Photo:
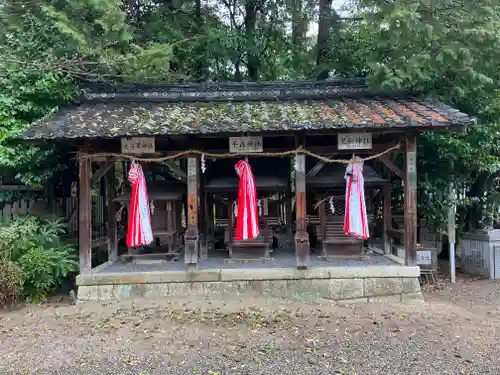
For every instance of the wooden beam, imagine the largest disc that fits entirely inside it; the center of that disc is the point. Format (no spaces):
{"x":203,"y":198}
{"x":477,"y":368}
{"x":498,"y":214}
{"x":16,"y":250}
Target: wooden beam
{"x":387,"y":217}
{"x":101,"y":172}
{"x":111,"y":211}
{"x":85,"y":217}
{"x":386,"y":160}
{"x":316,"y":169}
{"x":410,"y":200}
{"x":177,"y":171}
{"x":192,"y":232}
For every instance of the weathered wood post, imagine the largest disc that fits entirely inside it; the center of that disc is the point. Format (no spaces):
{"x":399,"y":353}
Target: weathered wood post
{"x":268,"y":236}
{"x":85,"y":216}
{"x":301,"y":235}
{"x":387,"y":217}
{"x":111,"y":210}
{"x":322,"y":218}
{"x":230,"y":203}
{"x":192,"y":233}
{"x":410,"y":200}
{"x":204,"y":217}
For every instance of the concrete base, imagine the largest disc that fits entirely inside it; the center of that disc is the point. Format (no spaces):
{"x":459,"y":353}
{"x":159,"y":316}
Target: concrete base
{"x":346,"y":284}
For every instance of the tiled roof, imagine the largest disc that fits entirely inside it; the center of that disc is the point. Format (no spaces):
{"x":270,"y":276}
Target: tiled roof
{"x":194,"y":109}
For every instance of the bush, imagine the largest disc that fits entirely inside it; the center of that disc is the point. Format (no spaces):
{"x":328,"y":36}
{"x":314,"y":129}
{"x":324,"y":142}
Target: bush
{"x":34,"y":245}
{"x":10,"y":282}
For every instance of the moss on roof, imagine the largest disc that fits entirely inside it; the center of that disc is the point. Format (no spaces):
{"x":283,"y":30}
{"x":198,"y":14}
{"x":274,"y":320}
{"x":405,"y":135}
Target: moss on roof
{"x":232,"y":109}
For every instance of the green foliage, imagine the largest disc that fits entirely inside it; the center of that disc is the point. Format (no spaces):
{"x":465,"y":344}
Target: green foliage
{"x":51,"y":49}
{"x":10,"y":282}
{"x":35,"y":246}
{"x":46,"y":50}
{"x":449,"y":50}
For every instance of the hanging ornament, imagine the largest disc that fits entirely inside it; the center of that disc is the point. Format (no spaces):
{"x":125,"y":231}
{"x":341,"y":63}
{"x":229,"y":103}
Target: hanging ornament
{"x":332,"y":207}
{"x":152,"y":207}
{"x":203,"y":166}
{"x":235,"y":209}
{"x":259,"y":204}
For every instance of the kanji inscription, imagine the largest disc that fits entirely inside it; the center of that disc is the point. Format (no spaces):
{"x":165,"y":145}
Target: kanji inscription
{"x":138,"y":145}
{"x":245,"y":144}
{"x":355,"y":141}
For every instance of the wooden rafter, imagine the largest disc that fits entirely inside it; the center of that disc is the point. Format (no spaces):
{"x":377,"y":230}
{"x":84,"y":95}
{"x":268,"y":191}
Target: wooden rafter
{"x":386,"y":160}
{"x":103,"y":169}
{"x":176,"y":171}
{"x":316,"y":169}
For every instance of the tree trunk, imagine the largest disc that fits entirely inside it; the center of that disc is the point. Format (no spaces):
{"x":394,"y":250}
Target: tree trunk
{"x":250,"y":24}
{"x":200,"y":58}
{"x":477,"y":190}
{"x":327,"y":16}
{"x":299,"y":27}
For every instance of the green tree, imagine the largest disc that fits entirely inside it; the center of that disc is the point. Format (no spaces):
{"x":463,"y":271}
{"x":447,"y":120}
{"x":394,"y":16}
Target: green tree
{"x":449,"y":50}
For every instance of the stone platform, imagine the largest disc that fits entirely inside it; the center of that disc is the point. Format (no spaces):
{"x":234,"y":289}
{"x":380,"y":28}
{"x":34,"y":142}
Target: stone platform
{"x":353,"y":283}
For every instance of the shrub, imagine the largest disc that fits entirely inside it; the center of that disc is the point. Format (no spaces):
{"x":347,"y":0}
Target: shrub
{"x":10,"y":282}
{"x":35,"y":246}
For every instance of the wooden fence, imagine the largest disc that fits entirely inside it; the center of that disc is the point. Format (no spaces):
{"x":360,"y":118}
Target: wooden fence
{"x":64,"y":208}
{"x":18,"y":208}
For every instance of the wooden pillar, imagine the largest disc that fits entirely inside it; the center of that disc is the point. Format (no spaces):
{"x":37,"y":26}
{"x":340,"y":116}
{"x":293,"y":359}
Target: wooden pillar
{"x":204,"y":218}
{"x":192,"y":232}
{"x":288,"y":203}
{"x":410,"y":200}
{"x":387,"y":217}
{"x":265,"y":220}
{"x":322,"y":218}
{"x":288,"y":213}
{"x":85,"y":217}
{"x":230,"y":226}
{"x":301,"y":236}
{"x":112,"y":225}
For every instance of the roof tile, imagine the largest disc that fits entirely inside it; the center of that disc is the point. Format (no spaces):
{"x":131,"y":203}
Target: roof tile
{"x":191,"y":112}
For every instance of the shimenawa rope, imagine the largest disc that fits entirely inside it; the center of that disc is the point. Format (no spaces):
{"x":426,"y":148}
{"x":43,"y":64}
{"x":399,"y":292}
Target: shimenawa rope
{"x":299,"y":150}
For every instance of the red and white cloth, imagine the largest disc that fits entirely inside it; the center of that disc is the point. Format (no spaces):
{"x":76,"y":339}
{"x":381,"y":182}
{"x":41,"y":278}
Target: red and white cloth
{"x":355,"y":220}
{"x":247,"y":221}
{"x":139,"y":220}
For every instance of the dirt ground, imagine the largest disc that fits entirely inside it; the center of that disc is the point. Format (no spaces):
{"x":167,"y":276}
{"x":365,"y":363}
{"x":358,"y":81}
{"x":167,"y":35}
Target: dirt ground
{"x":456,"y":331}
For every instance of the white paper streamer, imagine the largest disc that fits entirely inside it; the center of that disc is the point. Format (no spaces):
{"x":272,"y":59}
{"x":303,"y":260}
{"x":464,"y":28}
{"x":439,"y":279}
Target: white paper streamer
{"x":203,"y":165}
{"x":295,"y":163}
{"x":259,"y":203}
{"x":332,"y":207}
{"x":152,"y":207}
{"x":235,"y":209}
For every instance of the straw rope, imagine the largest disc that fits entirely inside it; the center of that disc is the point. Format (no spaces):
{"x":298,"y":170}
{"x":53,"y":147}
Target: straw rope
{"x":299,"y":150}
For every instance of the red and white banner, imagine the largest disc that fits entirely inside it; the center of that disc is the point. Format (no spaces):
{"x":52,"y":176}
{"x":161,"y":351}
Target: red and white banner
{"x":139,"y":220}
{"x":247,"y":221}
{"x":355,"y":220}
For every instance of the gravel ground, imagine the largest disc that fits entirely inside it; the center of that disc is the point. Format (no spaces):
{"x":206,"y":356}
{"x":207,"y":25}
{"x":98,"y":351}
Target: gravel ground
{"x":454,"y":332}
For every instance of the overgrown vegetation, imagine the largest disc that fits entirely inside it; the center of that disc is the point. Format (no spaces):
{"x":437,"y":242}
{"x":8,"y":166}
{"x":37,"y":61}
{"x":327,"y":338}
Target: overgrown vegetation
{"x":50,"y":50}
{"x":10,"y":282}
{"x":33,"y":259}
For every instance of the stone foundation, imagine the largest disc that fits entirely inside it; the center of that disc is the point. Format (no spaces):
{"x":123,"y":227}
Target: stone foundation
{"x":349,"y":284}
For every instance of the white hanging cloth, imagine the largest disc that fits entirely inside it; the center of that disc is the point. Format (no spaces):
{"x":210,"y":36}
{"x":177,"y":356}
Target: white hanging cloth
{"x":355,"y":220}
